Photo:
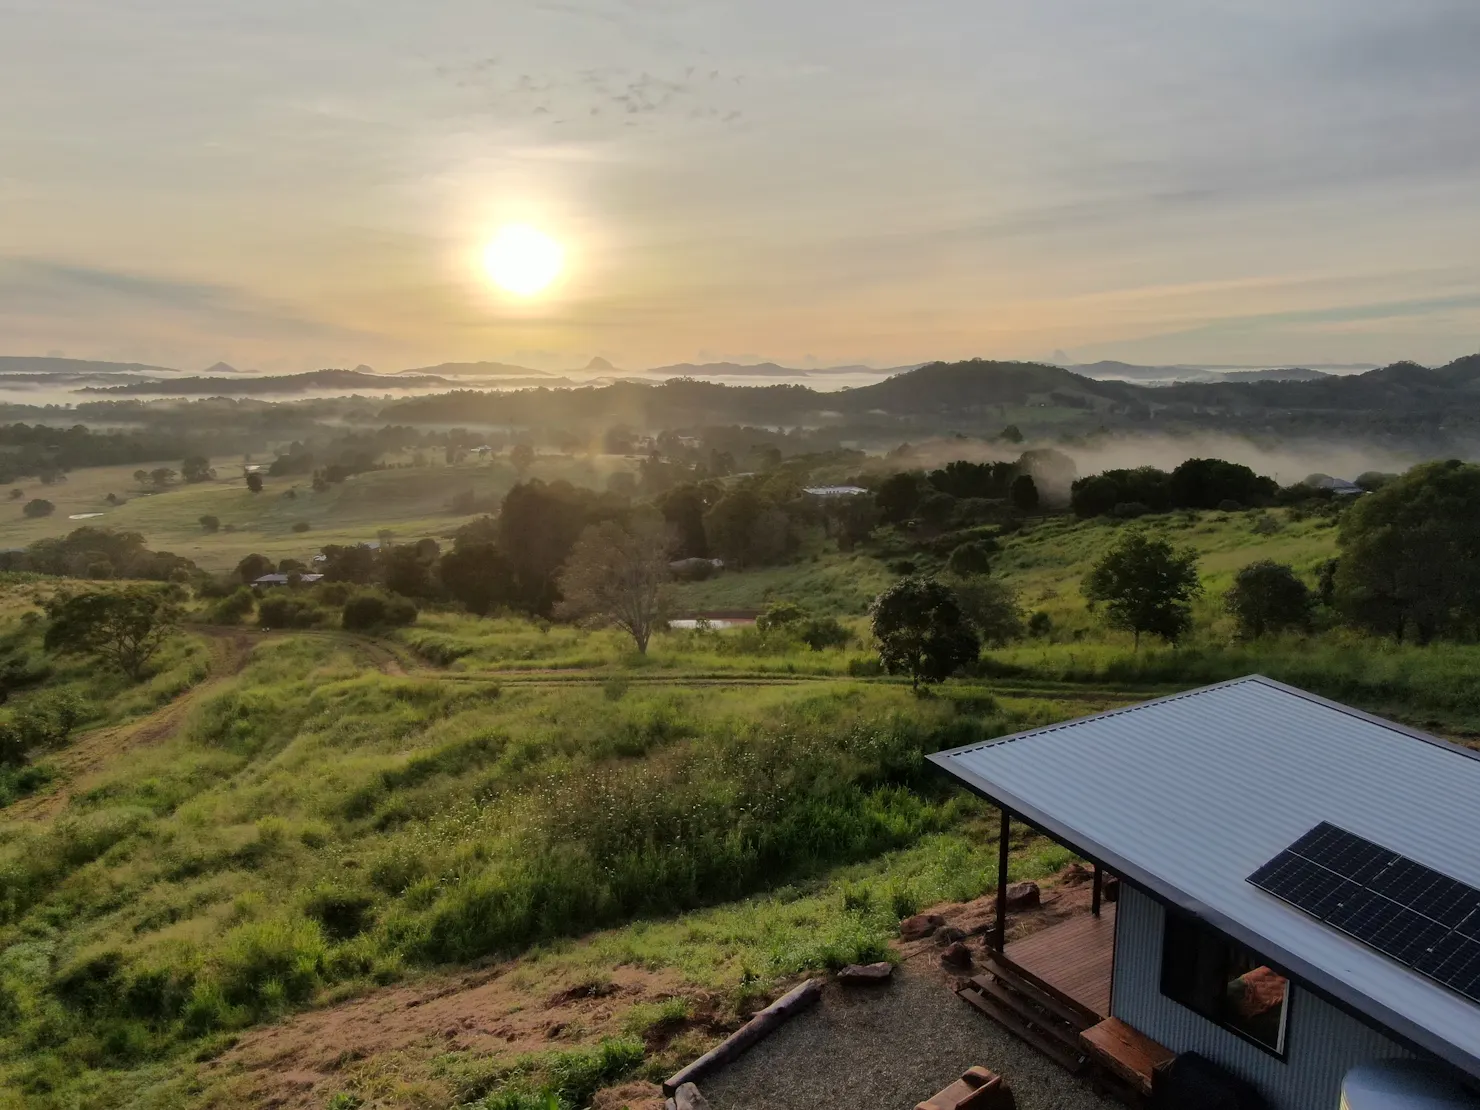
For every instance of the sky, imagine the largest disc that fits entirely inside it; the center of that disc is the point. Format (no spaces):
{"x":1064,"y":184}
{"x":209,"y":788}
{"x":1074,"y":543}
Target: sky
{"x":290,"y":184}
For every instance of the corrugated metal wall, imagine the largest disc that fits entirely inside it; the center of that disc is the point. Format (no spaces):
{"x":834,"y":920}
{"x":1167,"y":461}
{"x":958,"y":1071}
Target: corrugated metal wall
{"x":1322,"y":1042}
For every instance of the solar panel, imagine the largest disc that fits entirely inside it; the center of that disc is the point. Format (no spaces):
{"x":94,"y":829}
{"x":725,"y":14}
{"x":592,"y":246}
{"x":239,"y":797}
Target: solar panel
{"x":1410,"y":913}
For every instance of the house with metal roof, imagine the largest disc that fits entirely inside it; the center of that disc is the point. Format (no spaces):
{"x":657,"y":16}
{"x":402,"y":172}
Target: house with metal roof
{"x":1297,"y":898}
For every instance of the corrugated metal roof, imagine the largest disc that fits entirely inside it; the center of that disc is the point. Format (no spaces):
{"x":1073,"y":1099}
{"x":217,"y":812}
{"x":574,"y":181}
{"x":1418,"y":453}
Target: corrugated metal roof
{"x":1188,"y":795}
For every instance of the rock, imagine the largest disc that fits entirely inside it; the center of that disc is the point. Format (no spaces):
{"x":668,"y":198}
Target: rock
{"x":920,"y":926}
{"x":864,"y":974}
{"x":1110,"y":889}
{"x":949,"y":934}
{"x":1076,"y":874}
{"x":688,"y":1097}
{"x":1023,"y":896}
{"x":957,"y":956}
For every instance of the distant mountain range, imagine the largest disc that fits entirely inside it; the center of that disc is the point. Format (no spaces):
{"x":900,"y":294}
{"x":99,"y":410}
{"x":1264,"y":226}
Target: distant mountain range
{"x":1155,"y":375}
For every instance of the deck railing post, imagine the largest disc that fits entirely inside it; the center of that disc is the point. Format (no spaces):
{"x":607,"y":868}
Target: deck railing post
{"x":1094,"y":905}
{"x":1000,"y":935}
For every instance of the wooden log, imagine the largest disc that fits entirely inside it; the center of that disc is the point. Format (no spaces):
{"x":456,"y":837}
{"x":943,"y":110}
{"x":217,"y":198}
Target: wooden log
{"x":762,"y":1025}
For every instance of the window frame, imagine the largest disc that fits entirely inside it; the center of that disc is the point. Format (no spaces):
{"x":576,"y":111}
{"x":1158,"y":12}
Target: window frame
{"x":1173,"y":919}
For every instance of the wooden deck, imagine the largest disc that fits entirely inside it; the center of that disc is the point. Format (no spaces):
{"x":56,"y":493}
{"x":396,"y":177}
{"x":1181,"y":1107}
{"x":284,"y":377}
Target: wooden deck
{"x":1074,"y":957}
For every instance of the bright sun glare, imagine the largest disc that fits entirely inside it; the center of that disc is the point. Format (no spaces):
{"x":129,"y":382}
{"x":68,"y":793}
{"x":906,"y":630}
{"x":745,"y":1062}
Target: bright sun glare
{"x":523,"y":260}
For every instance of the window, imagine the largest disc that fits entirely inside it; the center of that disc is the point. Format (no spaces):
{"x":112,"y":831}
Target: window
{"x":1224,"y":982}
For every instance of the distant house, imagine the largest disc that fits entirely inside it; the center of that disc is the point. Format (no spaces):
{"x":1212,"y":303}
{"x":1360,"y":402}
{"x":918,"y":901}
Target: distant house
{"x":1340,"y":486}
{"x":834,"y":491}
{"x":1297,"y":900}
{"x":286,"y":579}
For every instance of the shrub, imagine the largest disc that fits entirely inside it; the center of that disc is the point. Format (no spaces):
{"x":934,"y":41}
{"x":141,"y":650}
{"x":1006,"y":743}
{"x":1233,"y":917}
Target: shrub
{"x":821,"y":633}
{"x":1040,"y":624}
{"x":285,"y":609}
{"x":300,"y":526}
{"x":374,"y":610}
{"x":341,"y":913}
{"x":210,"y":523}
{"x":39,"y":507}
{"x":233,"y":607}
{"x":971,"y":559}
{"x":781,"y":615}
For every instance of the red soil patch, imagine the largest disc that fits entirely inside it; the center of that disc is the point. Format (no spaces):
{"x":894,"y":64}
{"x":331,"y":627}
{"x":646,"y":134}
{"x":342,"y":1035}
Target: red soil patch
{"x":302,"y":1062}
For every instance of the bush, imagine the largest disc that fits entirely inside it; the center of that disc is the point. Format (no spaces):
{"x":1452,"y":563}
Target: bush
{"x":233,"y":607}
{"x":300,"y":526}
{"x":971,"y":559}
{"x":1040,"y":624}
{"x":284,"y":609}
{"x":375,"y":610}
{"x":821,"y":633}
{"x":39,"y":507}
{"x":210,"y":523}
{"x":781,"y":615}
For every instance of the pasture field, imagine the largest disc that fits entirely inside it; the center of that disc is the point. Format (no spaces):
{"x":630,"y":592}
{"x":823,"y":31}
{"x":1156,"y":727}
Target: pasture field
{"x":411,"y":502}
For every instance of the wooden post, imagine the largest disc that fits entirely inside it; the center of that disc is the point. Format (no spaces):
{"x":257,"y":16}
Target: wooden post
{"x":1000,"y":936}
{"x":1094,"y":905}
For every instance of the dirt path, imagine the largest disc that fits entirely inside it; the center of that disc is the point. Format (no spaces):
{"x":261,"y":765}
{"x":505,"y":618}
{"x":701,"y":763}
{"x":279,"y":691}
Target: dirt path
{"x":82,"y":759}
{"x":300,"y":1063}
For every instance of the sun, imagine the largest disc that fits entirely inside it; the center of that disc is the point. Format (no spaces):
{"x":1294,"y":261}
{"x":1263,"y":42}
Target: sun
{"x":523,"y":260}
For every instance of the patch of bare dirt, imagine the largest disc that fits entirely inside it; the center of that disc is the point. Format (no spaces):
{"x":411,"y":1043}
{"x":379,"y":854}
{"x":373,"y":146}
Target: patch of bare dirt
{"x":303,"y":1061}
{"x":629,"y":1096}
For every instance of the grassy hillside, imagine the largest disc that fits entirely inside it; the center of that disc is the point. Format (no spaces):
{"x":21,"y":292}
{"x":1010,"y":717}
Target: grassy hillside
{"x":316,"y":821}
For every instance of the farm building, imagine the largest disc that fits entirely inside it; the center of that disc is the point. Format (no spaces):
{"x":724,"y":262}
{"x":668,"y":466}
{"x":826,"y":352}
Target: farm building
{"x":1296,"y":901}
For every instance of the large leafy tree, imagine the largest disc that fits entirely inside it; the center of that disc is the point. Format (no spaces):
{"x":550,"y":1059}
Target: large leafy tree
{"x":1146,"y":586}
{"x":478,"y":575}
{"x":1410,"y":555}
{"x":536,"y":529}
{"x":922,"y":631}
{"x":617,"y":573}
{"x":124,"y":628}
{"x":1268,"y":597}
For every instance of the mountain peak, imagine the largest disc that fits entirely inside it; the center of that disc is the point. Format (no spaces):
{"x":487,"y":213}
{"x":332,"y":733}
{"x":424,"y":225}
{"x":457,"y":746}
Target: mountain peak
{"x":221,"y":368}
{"x":600,"y":365}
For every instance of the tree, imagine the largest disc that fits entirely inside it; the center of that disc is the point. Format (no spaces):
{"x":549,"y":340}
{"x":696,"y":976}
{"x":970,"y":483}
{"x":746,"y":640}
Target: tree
{"x":408,"y":570}
{"x":922,"y":631}
{"x":197,"y":468}
{"x":141,"y":478}
{"x":124,"y":628}
{"x":521,"y":455}
{"x":17,"y":494}
{"x":1146,"y":586}
{"x":971,"y":558}
{"x":478,"y":576}
{"x":1267,"y":597}
{"x":537,"y":526}
{"x":992,"y":607}
{"x":1410,"y":555}
{"x":38,"y":507}
{"x":162,"y":476}
{"x":1010,"y":434}
{"x":254,"y":481}
{"x":253,"y":567}
{"x":821,"y":633}
{"x":684,"y":508}
{"x":1024,"y":493}
{"x":349,"y":563}
{"x":897,"y":497}
{"x":210,"y":523}
{"x":616,"y":576}
{"x":747,"y":529}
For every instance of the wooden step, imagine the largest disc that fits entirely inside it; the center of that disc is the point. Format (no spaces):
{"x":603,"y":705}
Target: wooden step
{"x":1024,"y":1007}
{"x":1025,"y":982}
{"x":1071,"y":1061}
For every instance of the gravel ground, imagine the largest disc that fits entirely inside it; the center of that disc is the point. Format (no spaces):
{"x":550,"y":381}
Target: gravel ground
{"x":887,"y":1048}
